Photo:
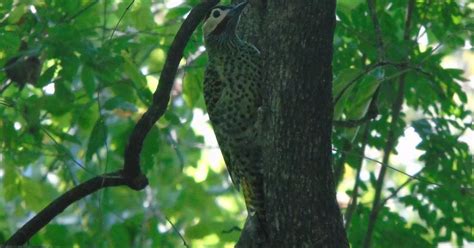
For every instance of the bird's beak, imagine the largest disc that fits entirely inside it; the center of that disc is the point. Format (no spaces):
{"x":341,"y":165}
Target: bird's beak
{"x":237,"y":9}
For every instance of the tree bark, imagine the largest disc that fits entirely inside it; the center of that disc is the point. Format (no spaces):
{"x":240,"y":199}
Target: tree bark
{"x":295,"y":38}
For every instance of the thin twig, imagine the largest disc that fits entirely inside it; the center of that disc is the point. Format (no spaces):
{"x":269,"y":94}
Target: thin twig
{"x":106,"y":145}
{"x":376,"y":65}
{"x":378,"y":30}
{"x":121,"y":17}
{"x":174,"y":145}
{"x":407,"y":66}
{"x":81,"y":11}
{"x":371,"y":114}
{"x":386,"y":165}
{"x":341,"y":161}
{"x":104,"y":24}
{"x":232,"y":229}
{"x":396,"y":191}
{"x":177,"y":231}
{"x":69,"y":155}
{"x":418,"y":178}
{"x":355,"y":190}
{"x":49,"y":169}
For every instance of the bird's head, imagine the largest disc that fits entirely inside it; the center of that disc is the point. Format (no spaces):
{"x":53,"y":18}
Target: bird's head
{"x":221,"y":22}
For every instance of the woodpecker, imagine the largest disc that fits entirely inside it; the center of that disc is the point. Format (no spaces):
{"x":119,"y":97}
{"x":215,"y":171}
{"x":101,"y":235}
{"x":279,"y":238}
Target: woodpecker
{"x":233,"y":98}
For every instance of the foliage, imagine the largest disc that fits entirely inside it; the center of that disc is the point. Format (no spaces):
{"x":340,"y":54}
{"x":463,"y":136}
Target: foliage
{"x":73,"y":122}
{"x":436,"y":205}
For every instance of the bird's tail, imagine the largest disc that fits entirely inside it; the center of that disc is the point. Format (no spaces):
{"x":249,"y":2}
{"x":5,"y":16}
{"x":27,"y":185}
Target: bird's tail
{"x":254,"y":199}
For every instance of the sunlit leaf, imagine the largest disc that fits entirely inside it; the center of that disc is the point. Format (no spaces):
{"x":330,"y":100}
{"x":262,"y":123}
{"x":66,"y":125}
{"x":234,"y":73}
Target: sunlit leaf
{"x":192,"y":87}
{"x":96,"y":138}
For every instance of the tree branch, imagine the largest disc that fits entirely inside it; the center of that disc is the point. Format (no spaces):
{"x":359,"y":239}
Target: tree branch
{"x":162,"y":94}
{"x":378,"y":30}
{"x":61,"y":203}
{"x":120,"y":19}
{"x":131,"y":175}
{"x":403,"y":66}
{"x":355,"y":190}
{"x":391,"y":137}
{"x":394,"y":193}
{"x":176,"y":230}
{"x":414,"y":177}
{"x":339,"y":168}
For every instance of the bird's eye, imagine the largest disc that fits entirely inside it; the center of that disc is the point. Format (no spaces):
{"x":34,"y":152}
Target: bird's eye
{"x":216,"y":13}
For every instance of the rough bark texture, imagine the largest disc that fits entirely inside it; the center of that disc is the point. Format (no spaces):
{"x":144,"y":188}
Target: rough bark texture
{"x":295,"y":38}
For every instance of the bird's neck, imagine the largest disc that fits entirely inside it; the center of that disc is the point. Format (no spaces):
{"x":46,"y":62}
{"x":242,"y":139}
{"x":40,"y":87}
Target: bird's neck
{"x":222,"y":43}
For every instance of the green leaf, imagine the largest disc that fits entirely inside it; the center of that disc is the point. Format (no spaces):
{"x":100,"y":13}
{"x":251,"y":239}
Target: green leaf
{"x":172,"y":118}
{"x":119,"y":103}
{"x":57,"y":235}
{"x":54,"y":105}
{"x":350,"y":133}
{"x":373,"y":179}
{"x":9,"y":44}
{"x":344,"y":80}
{"x":97,"y":138}
{"x":70,"y":138}
{"x":361,"y":97}
{"x":156,"y":60}
{"x":120,"y":236}
{"x":177,"y":12}
{"x":88,"y":80}
{"x":132,"y":71}
{"x":59,"y":103}
{"x":192,"y":87}
{"x":151,"y":147}
{"x":10,"y":183}
{"x":36,"y":195}
{"x":203,"y":229}
{"x":139,"y":81}
{"x":17,"y":13}
{"x":47,"y":76}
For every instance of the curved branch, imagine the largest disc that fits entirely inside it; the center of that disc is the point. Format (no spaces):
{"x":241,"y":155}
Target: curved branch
{"x":61,"y":203}
{"x":131,"y":175}
{"x":162,"y":94}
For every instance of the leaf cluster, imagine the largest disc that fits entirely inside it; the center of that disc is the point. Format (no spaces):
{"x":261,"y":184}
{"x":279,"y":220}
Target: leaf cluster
{"x":73,"y":122}
{"x":435,"y":205}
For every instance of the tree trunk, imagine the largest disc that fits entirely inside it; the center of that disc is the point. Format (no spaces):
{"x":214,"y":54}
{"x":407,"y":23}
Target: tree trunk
{"x":295,"y":38}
